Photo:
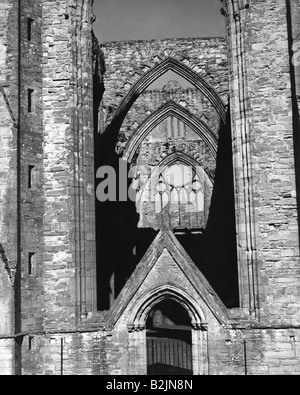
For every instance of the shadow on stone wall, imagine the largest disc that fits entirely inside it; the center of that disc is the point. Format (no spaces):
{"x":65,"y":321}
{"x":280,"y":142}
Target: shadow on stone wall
{"x":121,"y":244}
{"x":116,"y":224}
{"x":295,"y":88}
{"x":219,"y":263}
{"x":215,"y":251}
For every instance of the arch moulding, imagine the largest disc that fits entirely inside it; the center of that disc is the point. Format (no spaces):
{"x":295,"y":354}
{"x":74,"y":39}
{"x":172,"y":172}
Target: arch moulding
{"x":185,"y":159}
{"x":168,"y":64}
{"x":170,"y":109}
{"x":137,"y":329}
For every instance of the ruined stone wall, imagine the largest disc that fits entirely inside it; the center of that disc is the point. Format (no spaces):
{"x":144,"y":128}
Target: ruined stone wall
{"x":66,"y":267}
{"x":126,"y":62}
{"x":31,"y":168}
{"x":48,"y":311}
{"x":266,"y":352}
{"x":295,"y":30}
{"x":262,"y":123}
{"x":68,"y":231}
{"x":263,"y":130}
{"x":234,"y":347}
{"x":47,"y":173}
{"x":8,"y":178}
{"x":273,"y":161}
{"x":266,"y":207}
{"x":152,"y":100}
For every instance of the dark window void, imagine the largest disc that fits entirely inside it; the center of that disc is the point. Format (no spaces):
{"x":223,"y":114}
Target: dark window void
{"x":30,"y":93}
{"x":29,"y":28}
{"x":30,"y":343}
{"x":215,"y":250}
{"x":121,"y":243}
{"x":31,"y":264}
{"x":169,"y":340}
{"x":120,"y":246}
{"x":31,"y":177}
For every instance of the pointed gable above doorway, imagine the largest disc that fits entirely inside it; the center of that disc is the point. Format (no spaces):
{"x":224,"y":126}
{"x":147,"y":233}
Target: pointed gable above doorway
{"x":166,"y":271}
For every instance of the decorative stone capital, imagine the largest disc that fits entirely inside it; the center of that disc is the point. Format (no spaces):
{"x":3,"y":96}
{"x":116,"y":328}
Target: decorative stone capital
{"x":135,"y":328}
{"x":203,"y":326}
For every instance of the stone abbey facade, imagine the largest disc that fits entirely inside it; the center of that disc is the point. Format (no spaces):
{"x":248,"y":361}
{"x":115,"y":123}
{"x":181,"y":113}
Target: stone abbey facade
{"x":195,"y":268}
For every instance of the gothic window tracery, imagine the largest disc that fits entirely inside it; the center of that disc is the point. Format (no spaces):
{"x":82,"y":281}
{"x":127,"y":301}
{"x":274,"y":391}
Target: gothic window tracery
{"x":178,"y":195}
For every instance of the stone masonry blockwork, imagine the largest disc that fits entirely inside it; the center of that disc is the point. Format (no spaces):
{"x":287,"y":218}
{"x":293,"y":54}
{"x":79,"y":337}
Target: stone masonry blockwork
{"x":57,"y":122}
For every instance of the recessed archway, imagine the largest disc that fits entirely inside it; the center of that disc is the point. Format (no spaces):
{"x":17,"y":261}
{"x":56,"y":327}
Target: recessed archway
{"x":192,"y":214}
{"x":153,"y":74}
{"x":131,"y":133}
{"x":192,"y":315}
{"x":169,"y":340}
{"x":184,"y":158}
{"x":171,"y":109}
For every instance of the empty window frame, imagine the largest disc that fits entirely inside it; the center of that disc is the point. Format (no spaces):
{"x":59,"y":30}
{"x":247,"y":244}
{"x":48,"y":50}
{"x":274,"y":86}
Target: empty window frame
{"x":29,"y":28}
{"x":30,"y":343}
{"x":31,"y":177}
{"x":31,"y":264}
{"x":30,"y":93}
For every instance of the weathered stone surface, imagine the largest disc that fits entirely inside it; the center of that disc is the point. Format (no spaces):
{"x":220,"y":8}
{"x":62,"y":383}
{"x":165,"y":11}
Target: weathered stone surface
{"x":49,"y":324}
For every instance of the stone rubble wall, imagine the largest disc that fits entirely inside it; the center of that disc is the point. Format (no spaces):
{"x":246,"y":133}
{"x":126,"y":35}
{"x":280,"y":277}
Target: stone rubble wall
{"x":273,"y":161}
{"x":54,"y":216}
{"x":126,"y":62}
{"x":57,"y":215}
{"x":8,"y":178}
{"x":295,"y":15}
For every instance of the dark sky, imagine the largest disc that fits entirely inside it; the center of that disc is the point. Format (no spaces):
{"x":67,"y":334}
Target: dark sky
{"x":119,"y":20}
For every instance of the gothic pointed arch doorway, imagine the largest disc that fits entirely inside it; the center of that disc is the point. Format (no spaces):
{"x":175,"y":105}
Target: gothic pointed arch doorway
{"x":169,"y":340}
{"x":165,"y":325}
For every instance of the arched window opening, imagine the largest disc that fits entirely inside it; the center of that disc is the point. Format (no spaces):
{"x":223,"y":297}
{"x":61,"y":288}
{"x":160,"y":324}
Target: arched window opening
{"x":180,"y":124}
{"x":173,"y":176}
{"x":169,"y":340}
